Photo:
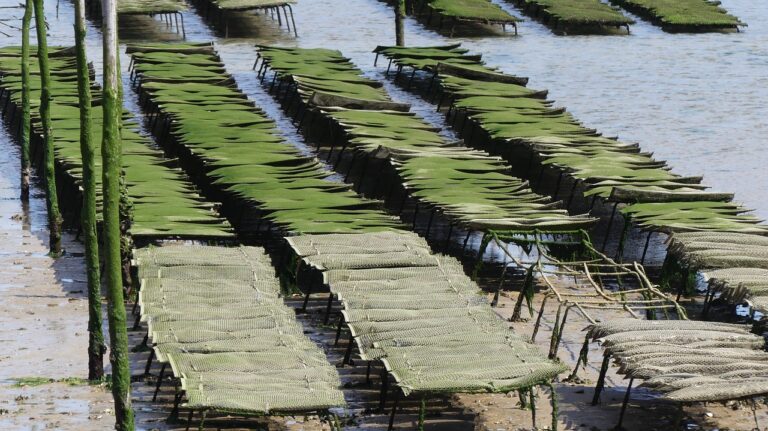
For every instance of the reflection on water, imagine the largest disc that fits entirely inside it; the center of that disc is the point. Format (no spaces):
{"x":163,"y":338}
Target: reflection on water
{"x":14,"y":213}
{"x":695,"y":100}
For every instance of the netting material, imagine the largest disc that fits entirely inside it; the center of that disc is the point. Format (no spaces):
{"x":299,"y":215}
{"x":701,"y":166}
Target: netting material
{"x":736,"y":265}
{"x":239,"y":147}
{"x":469,"y":187}
{"x":688,"y":360}
{"x":164,"y":204}
{"x":433,"y":329}
{"x":216,"y":315}
{"x":513,"y":116}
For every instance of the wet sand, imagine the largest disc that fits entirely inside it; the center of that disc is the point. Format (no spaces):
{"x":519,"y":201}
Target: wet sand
{"x":645,"y":412}
{"x":43,"y":324}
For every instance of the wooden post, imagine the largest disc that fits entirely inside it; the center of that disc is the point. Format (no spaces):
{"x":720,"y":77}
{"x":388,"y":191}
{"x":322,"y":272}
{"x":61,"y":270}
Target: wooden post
{"x":111,"y":165}
{"x":52,"y":201}
{"x":399,"y":24}
{"x":96,"y":347}
{"x":25,"y":108}
{"x":555,"y":408}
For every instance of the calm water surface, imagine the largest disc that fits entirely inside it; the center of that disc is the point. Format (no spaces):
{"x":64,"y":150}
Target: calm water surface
{"x":698,"y":101}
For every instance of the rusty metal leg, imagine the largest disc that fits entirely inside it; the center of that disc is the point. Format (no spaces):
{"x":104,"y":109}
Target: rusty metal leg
{"x":538,"y":318}
{"x":560,"y":333}
{"x":368,"y":374}
{"x":610,"y":224}
{"x":394,"y":410}
{"x":384,"y":389}
{"x":624,"y":404}
{"x":601,"y":379}
{"x":306,"y":299}
{"x":159,"y":382}
{"x":338,"y":330}
{"x":495,"y":300}
{"x":189,"y":418}
{"x":149,"y":361}
{"x":645,"y":249}
{"x":348,"y":353}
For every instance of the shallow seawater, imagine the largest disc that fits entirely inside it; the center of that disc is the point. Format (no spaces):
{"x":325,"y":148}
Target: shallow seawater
{"x":696,"y":100}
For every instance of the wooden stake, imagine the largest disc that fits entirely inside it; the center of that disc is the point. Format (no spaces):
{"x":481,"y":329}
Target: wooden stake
{"x":96,"y":346}
{"x":111,"y":163}
{"x":25,"y":104}
{"x":52,"y":201}
{"x":399,"y":24}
